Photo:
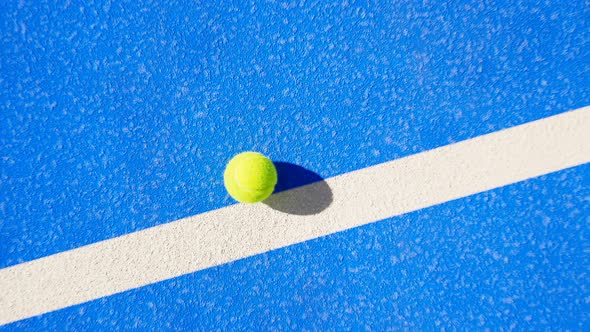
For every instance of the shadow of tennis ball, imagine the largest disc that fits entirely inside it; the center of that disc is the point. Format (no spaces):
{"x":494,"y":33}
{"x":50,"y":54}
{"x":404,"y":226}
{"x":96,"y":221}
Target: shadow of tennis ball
{"x":299,"y":191}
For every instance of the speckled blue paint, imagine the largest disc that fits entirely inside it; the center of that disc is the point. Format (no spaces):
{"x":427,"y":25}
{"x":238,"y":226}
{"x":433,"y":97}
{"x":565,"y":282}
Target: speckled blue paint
{"x":515,"y":257}
{"x":120,"y":116}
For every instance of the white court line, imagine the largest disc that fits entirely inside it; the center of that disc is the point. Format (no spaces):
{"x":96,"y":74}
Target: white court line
{"x":239,"y":231}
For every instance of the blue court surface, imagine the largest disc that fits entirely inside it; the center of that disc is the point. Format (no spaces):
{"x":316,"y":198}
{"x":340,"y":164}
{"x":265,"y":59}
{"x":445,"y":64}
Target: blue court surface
{"x":116,"y":117}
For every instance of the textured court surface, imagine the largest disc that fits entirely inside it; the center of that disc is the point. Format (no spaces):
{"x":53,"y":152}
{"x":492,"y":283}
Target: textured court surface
{"x":116,"y":117}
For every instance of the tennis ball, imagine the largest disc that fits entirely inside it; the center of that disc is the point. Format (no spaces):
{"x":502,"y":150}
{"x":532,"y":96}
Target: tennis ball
{"x":250,"y":177}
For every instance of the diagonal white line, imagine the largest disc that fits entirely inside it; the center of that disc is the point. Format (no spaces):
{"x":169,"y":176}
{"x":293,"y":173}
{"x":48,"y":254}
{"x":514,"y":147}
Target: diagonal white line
{"x":239,"y":231}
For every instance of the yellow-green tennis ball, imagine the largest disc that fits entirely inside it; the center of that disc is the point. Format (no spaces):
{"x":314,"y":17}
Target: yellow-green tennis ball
{"x":250,"y":177}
